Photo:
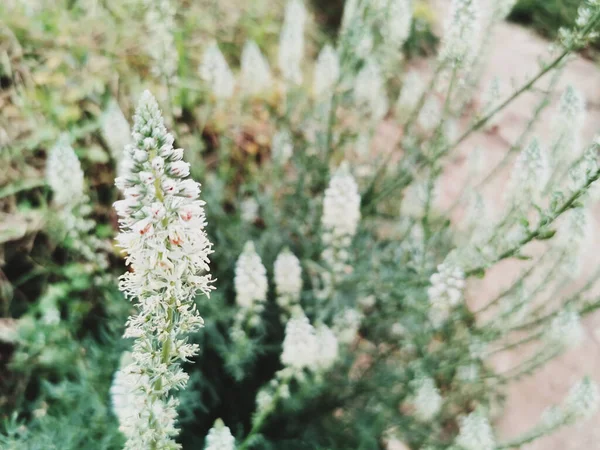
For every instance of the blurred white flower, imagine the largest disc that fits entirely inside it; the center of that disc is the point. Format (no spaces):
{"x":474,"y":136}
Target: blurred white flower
{"x":327,"y":72}
{"x":250,"y":280}
{"x":427,"y":399}
{"x":291,"y":42}
{"x":215,"y":71}
{"x":256,"y":75}
{"x":219,"y":437}
{"x":475,"y":433}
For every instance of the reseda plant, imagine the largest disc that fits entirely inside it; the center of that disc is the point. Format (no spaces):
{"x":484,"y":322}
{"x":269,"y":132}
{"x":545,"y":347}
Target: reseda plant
{"x":341,"y":317}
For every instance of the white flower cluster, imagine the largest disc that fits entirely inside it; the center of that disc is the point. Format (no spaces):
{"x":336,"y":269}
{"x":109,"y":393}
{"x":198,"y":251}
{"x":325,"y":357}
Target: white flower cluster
{"x":568,"y":125}
{"x":160,"y":21}
{"x":574,"y":237}
{"x":500,"y":9}
{"x":215,"y":71}
{"x":255,"y":72}
{"x":291,"y":42}
{"x":445,"y":292}
{"x":305,"y":347}
{"x":412,"y":89}
{"x":126,"y":396}
{"x":396,"y":28}
{"x":341,"y":215}
{"x":219,"y":437}
{"x":326,"y":72}
{"x":282,"y":147}
{"x":583,"y":401}
{"x":369,"y":90}
{"x":288,"y":280}
{"x":529,"y":175}
{"x":249,"y":209}
{"x":64,"y":175}
{"x":565,"y":330}
{"x":116,"y":132}
{"x":431,"y":114}
{"x":162,"y":232}
{"x":250,"y":280}
{"x":427,"y":399}
{"x":346,"y":325}
{"x":461,"y":34}
{"x":300,"y":345}
{"x":475,"y":433}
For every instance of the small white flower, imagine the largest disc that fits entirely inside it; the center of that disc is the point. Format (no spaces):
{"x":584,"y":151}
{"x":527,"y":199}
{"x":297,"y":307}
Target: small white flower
{"x":430,"y":114}
{"x":327,"y":72}
{"x":447,"y":285}
{"x":64,"y":174}
{"x":116,"y":132}
{"x":249,"y":208}
{"x":475,"y":433}
{"x":461,"y":37}
{"x":427,"y":399}
{"x":529,"y":175}
{"x":567,"y":126}
{"x":282,"y":147}
{"x":397,"y":26}
{"x":291,"y":42}
{"x":215,"y":71}
{"x":300,"y":345}
{"x":288,"y":278}
{"x":583,"y":401}
{"x":160,"y":21}
{"x":250,"y":280}
{"x":369,"y":90}
{"x":346,"y":325}
{"x":256,"y":75}
{"x":219,"y":437}
{"x":413,"y":87}
{"x":565,"y":330}
{"x":327,"y":353}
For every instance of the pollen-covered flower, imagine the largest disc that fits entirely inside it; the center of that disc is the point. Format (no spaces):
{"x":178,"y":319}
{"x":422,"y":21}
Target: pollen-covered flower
{"x":250,"y":280}
{"x":64,"y":174}
{"x":565,"y":330}
{"x":162,"y":233}
{"x":256,"y":74}
{"x":369,"y":90}
{"x":219,"y":437}
{"x":529,"y":175}
{"x":291,"y":42}
{"x":461,"y":37}
{"x":215,"y":71}
{"x":288,"y":279}
{"x":116,"y":132}
{"x":300,"y":345}
{"x":427,"y":399}
{"x":475,"y":433}
{"x":327,"y":71}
